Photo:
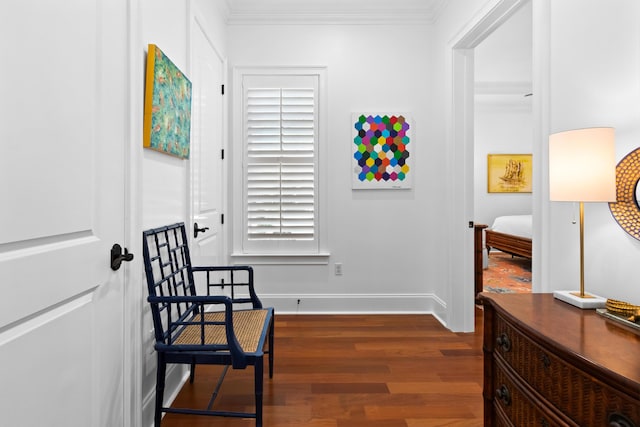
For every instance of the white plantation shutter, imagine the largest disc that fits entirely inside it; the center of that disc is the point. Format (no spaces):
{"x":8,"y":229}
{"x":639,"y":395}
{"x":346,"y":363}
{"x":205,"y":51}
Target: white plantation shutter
{"x":280,"y":165}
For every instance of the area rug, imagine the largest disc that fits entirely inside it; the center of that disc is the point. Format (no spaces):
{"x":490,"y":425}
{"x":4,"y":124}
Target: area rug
{"x":507,"y":274}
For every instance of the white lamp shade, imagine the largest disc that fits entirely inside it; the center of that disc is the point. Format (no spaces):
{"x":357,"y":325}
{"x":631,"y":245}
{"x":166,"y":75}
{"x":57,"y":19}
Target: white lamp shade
{"x":582,"y":166}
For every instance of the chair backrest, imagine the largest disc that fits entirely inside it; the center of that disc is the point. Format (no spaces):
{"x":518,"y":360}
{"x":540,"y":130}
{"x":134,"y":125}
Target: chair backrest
{"x":167,"y":264}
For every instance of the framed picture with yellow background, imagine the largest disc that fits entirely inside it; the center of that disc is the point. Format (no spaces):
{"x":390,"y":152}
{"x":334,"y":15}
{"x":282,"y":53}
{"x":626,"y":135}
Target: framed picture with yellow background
{"x":509,"y":173}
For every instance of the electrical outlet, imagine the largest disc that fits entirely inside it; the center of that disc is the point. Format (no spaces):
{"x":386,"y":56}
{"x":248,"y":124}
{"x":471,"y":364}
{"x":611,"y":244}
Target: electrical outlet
{"x":338,"y":268}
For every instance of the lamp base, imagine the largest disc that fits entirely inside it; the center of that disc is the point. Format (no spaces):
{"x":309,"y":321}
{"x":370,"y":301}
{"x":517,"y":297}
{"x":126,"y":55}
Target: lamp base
{"x":589,"y":301}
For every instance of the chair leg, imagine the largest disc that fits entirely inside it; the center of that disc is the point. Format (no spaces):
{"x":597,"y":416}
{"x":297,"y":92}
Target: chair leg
{"x":258,"y":383}
{"x":160,"y":382}
{"x":271,"y":349}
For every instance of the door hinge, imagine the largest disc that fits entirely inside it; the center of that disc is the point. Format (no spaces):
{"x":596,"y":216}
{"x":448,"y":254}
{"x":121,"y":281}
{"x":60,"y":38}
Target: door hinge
{"x":222,"y":154}
{"x":222,"y":89}
{"x":221,"y":218}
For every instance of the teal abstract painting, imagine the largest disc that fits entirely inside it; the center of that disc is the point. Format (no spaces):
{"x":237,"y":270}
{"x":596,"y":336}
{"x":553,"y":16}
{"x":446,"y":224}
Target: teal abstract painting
{"x":167,"y":106}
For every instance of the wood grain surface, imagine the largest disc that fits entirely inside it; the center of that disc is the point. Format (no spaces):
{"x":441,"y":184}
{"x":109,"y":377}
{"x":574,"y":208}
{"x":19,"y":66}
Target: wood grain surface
{"x":355,"y":371}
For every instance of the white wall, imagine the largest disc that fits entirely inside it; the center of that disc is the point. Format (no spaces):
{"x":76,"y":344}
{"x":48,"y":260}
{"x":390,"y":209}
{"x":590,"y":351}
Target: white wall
{"x":165,"y":24}
{"x":589,"y":70}
{"x":595,"y":81}
{"x":499,"y":130}
{"x":412,"y":272}
{"x":389,"y":242}
{"x":164,"y":178}
{"x":503,"y":122}
{"x":461,"y":28}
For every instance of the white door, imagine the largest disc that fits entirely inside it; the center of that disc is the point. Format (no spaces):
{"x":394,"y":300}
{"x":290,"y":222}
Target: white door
{"x":207,"y":142}
{"x":63,"y":98}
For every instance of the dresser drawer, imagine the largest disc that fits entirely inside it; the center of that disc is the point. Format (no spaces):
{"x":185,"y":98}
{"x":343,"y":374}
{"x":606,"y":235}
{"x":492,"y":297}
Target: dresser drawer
{"x":585,"y":400}
{"x":518,"y":406}
{"x":502,"y":420}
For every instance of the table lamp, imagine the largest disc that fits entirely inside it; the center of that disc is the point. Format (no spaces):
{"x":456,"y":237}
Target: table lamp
{"x":582,"y":169}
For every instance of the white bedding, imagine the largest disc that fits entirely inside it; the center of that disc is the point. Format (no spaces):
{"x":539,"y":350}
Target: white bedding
{"x":517,"y":225}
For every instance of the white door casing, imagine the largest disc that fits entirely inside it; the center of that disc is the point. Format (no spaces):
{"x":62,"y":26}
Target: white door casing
{"x":207,"y":143}
{"x":63,"y":103}
{"x":460,"y":309}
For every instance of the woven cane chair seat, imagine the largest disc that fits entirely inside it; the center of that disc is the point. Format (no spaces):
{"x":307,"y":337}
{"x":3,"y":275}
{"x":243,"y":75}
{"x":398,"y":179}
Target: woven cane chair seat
{"x":247,"y":325}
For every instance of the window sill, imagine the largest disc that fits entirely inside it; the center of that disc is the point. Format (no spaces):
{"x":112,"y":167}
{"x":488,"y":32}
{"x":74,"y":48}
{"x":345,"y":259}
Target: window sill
{"x":281,"y":259}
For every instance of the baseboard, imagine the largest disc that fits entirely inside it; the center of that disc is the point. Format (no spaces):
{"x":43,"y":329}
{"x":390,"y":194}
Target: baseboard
{"x":354,"y":304}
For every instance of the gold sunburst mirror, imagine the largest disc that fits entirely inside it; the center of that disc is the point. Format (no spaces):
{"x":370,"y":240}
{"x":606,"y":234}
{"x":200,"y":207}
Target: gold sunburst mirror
{"x":626,"y":210}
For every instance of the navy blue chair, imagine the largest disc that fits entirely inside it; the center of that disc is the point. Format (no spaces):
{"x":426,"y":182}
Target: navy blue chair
{"x":227,"y":326}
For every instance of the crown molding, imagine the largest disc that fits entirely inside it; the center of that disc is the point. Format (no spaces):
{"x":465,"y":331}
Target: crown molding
{"x":502,"y":88}
{"x":344,"y":16}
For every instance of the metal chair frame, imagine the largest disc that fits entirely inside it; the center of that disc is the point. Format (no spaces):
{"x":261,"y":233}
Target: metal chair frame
{"x":175,"y":307}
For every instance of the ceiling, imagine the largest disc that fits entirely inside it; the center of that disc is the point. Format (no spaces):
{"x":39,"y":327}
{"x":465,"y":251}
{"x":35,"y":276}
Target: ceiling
{"x":503,"y":62}
{"x":295,"y":11}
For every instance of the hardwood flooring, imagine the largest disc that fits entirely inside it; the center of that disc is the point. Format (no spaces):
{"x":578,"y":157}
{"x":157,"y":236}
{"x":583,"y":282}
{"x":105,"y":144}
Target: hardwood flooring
{"x":354,"y":371}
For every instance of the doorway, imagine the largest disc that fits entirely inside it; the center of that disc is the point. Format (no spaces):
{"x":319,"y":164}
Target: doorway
{"x":461,"y":307}
{"x":503,"y":126}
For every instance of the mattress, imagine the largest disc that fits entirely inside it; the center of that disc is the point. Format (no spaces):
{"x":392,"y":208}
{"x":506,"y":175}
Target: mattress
{"x":517,"y":225}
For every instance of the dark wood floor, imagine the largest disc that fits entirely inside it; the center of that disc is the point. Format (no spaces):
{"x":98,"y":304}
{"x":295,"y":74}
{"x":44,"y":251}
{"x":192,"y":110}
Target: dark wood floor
{"x":355,"y":371}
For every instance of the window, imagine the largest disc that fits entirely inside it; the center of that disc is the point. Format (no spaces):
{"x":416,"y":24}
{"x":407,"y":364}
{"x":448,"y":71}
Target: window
{"x":280,"y":178}
{"x":280,"y":163}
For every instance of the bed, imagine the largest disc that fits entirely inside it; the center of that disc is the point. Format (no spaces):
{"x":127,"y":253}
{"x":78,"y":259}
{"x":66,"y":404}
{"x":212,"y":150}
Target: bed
{"x":510,"y":234}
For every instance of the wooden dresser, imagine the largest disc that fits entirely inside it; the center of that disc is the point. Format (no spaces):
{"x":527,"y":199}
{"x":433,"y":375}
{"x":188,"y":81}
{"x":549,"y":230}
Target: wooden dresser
{"x":547,"y":363}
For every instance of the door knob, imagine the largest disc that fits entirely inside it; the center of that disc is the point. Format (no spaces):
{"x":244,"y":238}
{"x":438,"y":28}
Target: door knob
{"x":197,"y":230}
{"x":117,"y":256}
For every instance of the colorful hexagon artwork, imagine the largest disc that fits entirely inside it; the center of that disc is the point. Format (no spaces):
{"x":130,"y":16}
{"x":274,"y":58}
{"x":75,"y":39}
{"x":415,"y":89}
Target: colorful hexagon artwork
{"x":381,"y":151}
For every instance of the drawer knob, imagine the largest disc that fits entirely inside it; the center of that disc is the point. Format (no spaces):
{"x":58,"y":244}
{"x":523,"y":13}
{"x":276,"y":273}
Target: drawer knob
{"x":619,"y":420}
{"x":504,"y":342}
{"x":503,"y":394}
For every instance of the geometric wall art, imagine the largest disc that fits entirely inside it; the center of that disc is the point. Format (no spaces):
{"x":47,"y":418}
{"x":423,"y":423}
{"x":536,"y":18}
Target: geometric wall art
{"x":167,"y":106}
{"x":381,"y":154}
